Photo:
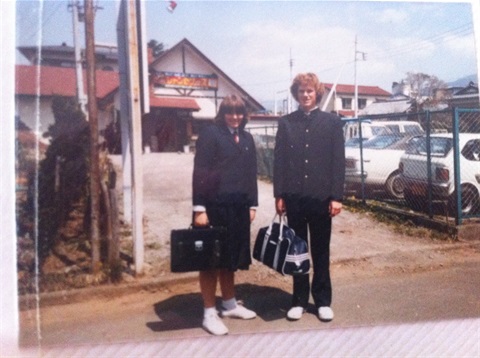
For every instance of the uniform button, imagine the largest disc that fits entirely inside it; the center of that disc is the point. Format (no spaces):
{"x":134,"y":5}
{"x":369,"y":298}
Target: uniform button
{"x":306,"y":176}
{"x":306,"y":145}
{"x":306,"y":160}
{"x":306,"y":130}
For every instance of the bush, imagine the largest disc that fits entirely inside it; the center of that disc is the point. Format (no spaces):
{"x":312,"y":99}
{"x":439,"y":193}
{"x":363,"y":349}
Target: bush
{"x":63,"y":173}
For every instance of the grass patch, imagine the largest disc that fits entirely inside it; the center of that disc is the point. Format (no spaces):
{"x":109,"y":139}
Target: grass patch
{"x":401,"y":223}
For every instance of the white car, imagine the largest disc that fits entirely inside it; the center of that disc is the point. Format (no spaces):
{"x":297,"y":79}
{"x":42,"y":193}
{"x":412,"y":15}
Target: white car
{"x":415,"y":173}
{"x":371,"y":128}
{"x":381,"y":155}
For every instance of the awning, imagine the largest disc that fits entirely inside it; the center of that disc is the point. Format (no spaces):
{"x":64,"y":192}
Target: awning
{"x":174,"y":102}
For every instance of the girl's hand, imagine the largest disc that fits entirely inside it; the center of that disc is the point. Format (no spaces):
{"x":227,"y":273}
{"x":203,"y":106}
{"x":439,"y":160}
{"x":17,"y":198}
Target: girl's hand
{"x":200,"y":218}
{"x":253,"y":212}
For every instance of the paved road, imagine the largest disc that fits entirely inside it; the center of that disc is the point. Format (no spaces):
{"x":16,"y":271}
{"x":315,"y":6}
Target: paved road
{"x":381,"y":279}
{"x":412,"y":304}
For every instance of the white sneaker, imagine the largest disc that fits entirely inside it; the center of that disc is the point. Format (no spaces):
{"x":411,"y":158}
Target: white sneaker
{"x":214,"y":325}
{"x":325,"y":313}
{"x":295,"y":313}
{"x":239,"y":312}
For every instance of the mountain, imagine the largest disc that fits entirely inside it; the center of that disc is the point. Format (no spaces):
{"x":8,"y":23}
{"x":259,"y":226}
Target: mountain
{"x":464,"y":81}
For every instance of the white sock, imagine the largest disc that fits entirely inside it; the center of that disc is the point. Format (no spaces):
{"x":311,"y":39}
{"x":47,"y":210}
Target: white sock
{"x":229,"y":304}
{"x":209,"y":311}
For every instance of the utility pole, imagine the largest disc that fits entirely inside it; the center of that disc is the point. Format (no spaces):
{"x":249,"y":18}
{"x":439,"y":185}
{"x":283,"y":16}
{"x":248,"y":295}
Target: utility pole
{"x":93,"y":122}
{"x":355,"y":76}
{"x":130,"y":37}
{"x":77,"y":16}
{"x":291,"y":79}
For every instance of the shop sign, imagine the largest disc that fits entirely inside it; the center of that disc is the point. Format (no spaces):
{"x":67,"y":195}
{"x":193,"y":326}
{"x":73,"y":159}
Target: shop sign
{"x":185,"y":80}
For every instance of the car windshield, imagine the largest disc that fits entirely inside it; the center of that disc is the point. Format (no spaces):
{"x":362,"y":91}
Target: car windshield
{"x":353,"y":142}
{"x":411,"y":129}
{"x":379,"y":130}
{"x":381,"y":141}
{"x":439,"y":146}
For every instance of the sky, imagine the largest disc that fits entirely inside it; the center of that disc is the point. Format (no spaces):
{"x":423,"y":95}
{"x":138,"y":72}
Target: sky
{"x":262,"y":44}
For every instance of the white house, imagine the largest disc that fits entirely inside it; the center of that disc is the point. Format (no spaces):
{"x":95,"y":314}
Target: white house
{"x":342,"y":100}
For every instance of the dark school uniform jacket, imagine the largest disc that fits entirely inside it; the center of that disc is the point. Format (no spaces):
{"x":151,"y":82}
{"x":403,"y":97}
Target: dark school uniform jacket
{"x":309,"y":156}
{"x":224,"y":172}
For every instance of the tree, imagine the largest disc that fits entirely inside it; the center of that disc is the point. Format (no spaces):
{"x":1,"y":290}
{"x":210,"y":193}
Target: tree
{"x":157,"y":48}
{"x":423,"y":88}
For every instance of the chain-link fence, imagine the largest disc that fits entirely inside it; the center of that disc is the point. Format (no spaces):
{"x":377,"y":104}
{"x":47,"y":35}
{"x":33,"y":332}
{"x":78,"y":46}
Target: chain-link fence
{"x":428,"y":162}
{"x":434,"y":170}
{"x":264,"y":137}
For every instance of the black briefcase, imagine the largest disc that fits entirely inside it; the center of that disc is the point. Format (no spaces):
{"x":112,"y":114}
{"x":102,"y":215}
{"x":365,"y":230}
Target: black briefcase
{"x":198,"y":249}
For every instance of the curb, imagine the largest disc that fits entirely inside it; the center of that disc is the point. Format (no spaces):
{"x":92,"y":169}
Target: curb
{"x":64,"y":297}
{"x":46,"y":299}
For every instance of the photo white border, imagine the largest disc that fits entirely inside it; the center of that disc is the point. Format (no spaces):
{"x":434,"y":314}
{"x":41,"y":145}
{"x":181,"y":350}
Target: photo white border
{"x":463,"y":336}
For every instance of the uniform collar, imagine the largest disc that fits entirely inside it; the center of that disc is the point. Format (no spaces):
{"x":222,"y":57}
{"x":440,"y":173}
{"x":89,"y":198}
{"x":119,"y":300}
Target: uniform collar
{"x":310,"y":112}
{"x":233,"y":130}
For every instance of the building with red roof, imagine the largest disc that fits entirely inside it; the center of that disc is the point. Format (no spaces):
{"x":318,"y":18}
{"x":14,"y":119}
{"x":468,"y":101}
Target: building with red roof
{"x":35,"y":86}
{"x":186,"y":88}
{"x":343,"y":98}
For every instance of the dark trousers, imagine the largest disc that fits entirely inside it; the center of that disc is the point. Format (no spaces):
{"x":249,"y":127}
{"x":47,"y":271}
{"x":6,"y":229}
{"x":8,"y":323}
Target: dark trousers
{"x":311,"y":215}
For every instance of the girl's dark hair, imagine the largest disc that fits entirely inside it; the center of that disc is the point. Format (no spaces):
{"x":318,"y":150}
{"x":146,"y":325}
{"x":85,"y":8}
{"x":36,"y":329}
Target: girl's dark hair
{"x":307,"y":79}
{"x":232,"y":104}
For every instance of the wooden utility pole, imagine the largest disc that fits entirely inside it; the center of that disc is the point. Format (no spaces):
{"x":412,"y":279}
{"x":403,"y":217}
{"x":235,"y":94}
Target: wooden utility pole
{"x":93,"y":122}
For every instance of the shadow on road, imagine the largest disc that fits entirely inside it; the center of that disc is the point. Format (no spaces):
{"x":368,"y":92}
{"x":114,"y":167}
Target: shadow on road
{"x":186,"y":311}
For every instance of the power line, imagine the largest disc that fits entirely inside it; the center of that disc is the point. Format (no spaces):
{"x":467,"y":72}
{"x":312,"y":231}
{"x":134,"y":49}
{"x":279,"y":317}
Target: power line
{"x":45,"y":21}
{"x":424,"y":43}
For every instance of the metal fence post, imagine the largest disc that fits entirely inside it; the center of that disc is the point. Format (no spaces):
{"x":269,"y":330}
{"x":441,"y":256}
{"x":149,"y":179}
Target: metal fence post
{"x":429,"y":163}
{"x":362,"y":177}
{"x":456,"y":168}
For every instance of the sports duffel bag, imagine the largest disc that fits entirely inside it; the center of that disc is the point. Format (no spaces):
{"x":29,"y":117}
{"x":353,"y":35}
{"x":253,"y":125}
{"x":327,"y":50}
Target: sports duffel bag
{"x":279,"y":248}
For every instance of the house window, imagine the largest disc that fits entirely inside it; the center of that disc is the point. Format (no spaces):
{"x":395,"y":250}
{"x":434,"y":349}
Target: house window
{"x":346,"y":103}
{"x":362,"y":103}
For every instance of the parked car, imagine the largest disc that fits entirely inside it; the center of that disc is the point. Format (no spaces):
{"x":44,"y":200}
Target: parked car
{"x":414,"y":169}
{"x":354,"y":142}
{"x":377,"y":127}
{"x":381,"y":155}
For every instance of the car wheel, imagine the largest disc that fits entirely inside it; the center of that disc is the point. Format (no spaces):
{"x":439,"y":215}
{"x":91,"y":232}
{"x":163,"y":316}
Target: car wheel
{"x":470,"y":200}
{"x":395,"y":186}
